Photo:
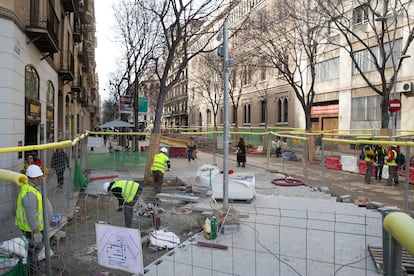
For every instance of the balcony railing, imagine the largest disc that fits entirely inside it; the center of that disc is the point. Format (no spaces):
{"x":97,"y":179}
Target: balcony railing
{"x":77,"y":31}
{"x":68,"y":5}
{"x":77,"y":86}
{"x":43,"y":26}
{"x":67,"y":66}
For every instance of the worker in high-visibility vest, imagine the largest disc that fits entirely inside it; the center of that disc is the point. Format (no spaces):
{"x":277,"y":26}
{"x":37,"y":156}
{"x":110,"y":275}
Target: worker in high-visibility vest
{"x":160,"y":164}
{"x":391,"y":162}
{"x":127,"y":193}
{"x":29,"y":215}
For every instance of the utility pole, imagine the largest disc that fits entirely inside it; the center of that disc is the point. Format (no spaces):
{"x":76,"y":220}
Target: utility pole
{"x":135,"y":139}
{"x":225,"y":115}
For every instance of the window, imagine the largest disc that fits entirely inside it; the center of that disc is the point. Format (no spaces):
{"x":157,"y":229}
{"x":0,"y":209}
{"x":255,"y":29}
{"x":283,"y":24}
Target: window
{"x":263,"y":111}
{"x":285,"y":110}
{"x":282,"y":110}
{"x":327,"y":70}
{"x":234,"y":109}
{"x":50,"y":96}
{"x":360,"y":15}
{"x":366,"y":60}
{"x":208,"y":116}
{"x":31,"y":83}
{"x":246,"y":75}
{"x":279,"y":111}
{"x":263,"y":21}
{"x":366,"y":109}
{"x":262,"y":69}
{"x":246,"y":114}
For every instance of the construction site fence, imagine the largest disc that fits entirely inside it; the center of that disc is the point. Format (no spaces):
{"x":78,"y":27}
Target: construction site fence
{"x":328,"y":150}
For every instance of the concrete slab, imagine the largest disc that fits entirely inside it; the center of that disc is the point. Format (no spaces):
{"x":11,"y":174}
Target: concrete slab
{"x":276,"y":239}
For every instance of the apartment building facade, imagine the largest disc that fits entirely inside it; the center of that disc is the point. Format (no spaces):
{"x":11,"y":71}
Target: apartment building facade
{"x":343,"y":100}
{"x":48,"y":83}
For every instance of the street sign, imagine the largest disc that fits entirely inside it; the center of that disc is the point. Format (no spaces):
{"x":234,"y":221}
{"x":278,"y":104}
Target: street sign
{"x":394,"y":105}
{"x":142,"y":104}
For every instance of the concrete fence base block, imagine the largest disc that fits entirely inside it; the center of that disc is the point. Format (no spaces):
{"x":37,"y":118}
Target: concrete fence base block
{"x":374,"y":205}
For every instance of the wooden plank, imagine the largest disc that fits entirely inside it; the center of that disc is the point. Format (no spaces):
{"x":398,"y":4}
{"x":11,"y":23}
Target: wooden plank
{"x":53,"y":230}
{"x":407,"y":261}
{"x":212,"y":245}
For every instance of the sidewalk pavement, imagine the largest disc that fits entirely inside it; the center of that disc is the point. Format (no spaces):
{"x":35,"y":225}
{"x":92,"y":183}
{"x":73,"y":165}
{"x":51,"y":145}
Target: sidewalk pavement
{"x":283,"y":230}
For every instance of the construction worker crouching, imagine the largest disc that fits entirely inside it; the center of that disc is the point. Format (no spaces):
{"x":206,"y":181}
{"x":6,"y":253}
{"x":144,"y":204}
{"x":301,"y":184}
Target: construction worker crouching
{"x":127,"y":193}
{"x":160,"y":164}
{"x":29,"y":215}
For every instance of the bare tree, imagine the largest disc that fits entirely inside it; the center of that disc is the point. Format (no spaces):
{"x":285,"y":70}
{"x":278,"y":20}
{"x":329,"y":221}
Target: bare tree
{"x":288,"y":40}
{"x":180,"y":25}
{"x":208,"y":84}
{"x":288,"y":36}
{"x":373,"y":32}
{"x":209,"y":80}
{"x":109,"y":110}
{"x":137,"y":30}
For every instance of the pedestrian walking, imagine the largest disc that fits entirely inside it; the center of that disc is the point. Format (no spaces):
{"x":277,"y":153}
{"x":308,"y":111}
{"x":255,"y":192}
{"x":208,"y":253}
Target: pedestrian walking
{"x":241,"y":153}
{"x":29,"y":216}
{"x":33,"y":159}
{"x":127,"y":193}
{"x":369,"y":160}
{"x":160,"y":164}
{"x":190,"y":149}
{"x":379,"y":158}
{"x":391,"y":161}
{"x":278,"y":147}
{"x":59,"y":163}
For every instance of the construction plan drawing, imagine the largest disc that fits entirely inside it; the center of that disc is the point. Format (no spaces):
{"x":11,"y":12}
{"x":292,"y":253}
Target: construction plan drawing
{"x":119,"y":247}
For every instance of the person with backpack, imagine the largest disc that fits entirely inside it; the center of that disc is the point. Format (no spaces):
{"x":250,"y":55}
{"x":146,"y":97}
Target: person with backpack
{"x":400,"y":159}
{"x":391,"y":161}
{"x":369,"y":159}
{"x":379,"y":157}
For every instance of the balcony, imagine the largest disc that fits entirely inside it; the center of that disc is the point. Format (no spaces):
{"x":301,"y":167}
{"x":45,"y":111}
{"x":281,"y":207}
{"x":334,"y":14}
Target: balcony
{"x":68,"y":5}
{"x":76,"y":87}
{"x":77,"y":31}
{"x":67,"y":65}
{"x":82,"y":97}
{"x":81,"y":49}
{"x":43,"y":26}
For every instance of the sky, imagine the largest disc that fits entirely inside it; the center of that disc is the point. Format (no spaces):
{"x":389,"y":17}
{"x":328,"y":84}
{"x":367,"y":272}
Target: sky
{"x":106,"y":52}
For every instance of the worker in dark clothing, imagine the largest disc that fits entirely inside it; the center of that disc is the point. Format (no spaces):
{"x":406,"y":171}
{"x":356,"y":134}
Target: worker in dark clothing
{"x":127,"y":193}
{"x":380,"y":155}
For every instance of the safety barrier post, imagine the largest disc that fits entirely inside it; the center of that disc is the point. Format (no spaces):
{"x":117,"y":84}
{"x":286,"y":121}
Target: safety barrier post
{"x":386,"y":242}
{"x":323,"y":162}
{"x":398,"y":226}
{"x":46,"y":240}
{"x":407,"y":178}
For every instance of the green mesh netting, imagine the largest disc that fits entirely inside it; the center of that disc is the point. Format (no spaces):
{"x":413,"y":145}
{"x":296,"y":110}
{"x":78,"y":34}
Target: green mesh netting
{"x":79,"y":180}
{"x":19,"y":270}
{"x":117,"y":160}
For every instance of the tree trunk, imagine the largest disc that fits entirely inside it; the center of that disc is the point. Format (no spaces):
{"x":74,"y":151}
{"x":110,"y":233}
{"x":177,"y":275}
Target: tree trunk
{"x":309,"y":149}
{"x":385,"y":116}
{"x":153,"y":149}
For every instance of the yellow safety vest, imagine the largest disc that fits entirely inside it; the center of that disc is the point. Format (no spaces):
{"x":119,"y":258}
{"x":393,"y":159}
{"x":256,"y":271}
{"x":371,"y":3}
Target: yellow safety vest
{"x":129,"y":189}
{"x":21,"y":219}
{"x":393,"y":162}
{"x":160,"y":162}
{"x":368,"y":151}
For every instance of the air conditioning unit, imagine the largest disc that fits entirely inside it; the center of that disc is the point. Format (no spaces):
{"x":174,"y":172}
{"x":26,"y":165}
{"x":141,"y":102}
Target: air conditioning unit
{"x":407,"y":87}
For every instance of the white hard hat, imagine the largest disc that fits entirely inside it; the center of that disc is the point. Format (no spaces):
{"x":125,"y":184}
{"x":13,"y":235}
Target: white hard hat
{"x":164,"y":150}
{"x":34,"y":171}
{"x":105,"y":186}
